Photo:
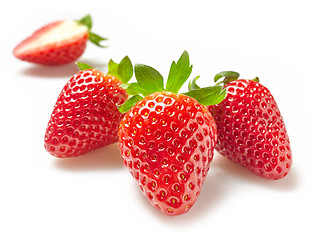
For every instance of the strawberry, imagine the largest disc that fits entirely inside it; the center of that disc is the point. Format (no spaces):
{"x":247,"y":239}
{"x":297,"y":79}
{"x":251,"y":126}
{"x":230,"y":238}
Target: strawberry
{"x":251,"y":130}
{"x":167,"y":139}
{"x":57,"y":43}
{"x":85,"y":115}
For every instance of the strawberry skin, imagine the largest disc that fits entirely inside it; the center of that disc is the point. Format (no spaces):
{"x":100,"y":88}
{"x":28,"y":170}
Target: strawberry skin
{"x":167,"y":141}
{"x":85,"y":116}
{"x":251,"y":130}
{"x":57,"y":43}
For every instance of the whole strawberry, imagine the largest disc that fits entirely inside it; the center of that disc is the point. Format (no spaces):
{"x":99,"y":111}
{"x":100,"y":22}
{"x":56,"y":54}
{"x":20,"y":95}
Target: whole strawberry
{"x":58,"y":42}
{"x":85,"y":115}
{"x":167,"y":139}
{"x":251,"y":130}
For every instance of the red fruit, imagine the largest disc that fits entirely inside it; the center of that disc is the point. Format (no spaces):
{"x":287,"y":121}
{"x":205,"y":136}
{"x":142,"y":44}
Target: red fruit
{"x":167,"y":139}
{"x":167,"y":143}
{"x":85,"y":116}
{"x":251,"y":130}
{"x":57,"y":43}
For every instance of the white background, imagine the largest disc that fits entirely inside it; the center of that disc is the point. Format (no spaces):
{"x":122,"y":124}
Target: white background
{"x":94,"y":196}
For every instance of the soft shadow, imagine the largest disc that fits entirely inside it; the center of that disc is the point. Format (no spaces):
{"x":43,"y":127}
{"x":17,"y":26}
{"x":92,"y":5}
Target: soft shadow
{"x":67,"y":70}
{"x":107,"y":157}
{"x":41,"y":71}
{"x":213,"y":193}
{"x":218,"y":186}
{"x":288,"y":183}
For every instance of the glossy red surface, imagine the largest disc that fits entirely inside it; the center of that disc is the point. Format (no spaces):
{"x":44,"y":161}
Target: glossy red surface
{"x":167,"y":143}
{"x":85,"y":116}
{"x":251,"y":130}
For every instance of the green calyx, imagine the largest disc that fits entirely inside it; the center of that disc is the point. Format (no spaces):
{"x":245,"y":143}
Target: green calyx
{"x":94,"y":38}
{"x":179,"y":73}
{"x":207,"y":95}
{"x":83,"y":66}
{"x":149,"y":80}
{"x":225,"y":77}
{"x":123,"y":70}
{"x":256,"y":79}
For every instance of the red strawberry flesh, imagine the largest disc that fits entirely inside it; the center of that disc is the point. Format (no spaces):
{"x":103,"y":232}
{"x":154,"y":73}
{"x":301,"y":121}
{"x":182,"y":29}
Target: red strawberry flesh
{"x":57,"y":43}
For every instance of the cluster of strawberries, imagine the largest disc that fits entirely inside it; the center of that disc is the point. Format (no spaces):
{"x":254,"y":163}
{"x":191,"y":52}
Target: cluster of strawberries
{"x":166,"y":138}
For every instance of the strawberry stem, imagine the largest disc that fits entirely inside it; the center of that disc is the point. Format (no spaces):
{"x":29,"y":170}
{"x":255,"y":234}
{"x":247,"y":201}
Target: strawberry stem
{"x":256,"y":79}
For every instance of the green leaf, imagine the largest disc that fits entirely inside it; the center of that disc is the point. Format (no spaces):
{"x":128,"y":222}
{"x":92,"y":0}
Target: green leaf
{"x":135,"y":88}
{"x":208,"y":95}
{"x":124,"y":86}
{"x":149,"y":78}
{"x":179,"y":73}
{"x":87,"y":21}
{"x":96,"y":39}
{"x":83,"y":66}
{"x":113,"y":68}
{"x":129,"y":103}
{"x":123,"y":71}
{"x":228,"y":76}
{"x":193,"y":84}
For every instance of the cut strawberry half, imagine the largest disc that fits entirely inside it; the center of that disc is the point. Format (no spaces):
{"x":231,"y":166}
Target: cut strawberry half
{"x":58,"y":42}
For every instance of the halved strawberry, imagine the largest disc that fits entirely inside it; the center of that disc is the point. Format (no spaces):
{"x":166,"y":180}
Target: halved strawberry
{"x":58,"y":42}
{"x":167,"y":139}
{"x":85,"y":115}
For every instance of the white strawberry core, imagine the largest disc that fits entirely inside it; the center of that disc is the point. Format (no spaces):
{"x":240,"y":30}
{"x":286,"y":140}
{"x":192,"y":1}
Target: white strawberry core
{"x":65,"y":32}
